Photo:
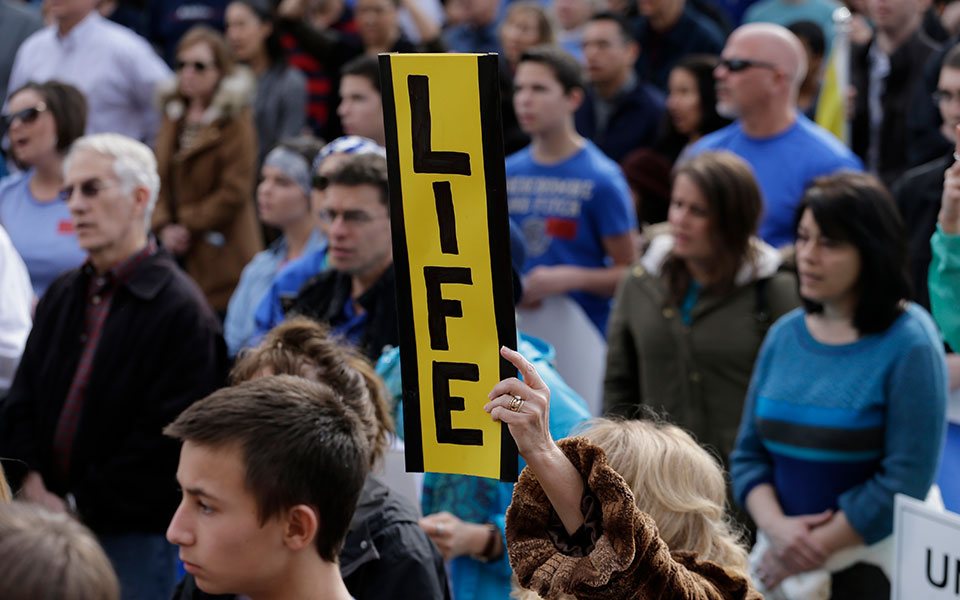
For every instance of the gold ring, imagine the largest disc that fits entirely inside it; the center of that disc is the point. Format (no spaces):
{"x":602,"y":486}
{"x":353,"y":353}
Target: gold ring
{"x":516,"y":404}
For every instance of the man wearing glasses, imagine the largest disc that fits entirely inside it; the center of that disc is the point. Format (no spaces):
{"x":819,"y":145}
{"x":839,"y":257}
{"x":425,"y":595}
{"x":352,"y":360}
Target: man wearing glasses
{"x":355,"y":295}
{"x":119,"y":347}
{"x":758,"y":79}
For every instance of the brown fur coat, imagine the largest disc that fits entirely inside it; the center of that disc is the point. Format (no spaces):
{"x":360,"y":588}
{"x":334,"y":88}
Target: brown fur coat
{"x":628,"y":561}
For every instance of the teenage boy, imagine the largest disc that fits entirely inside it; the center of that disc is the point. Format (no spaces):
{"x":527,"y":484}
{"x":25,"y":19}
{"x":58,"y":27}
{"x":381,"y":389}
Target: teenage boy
{"x":270,"y":470}
{"x":571,"y":201}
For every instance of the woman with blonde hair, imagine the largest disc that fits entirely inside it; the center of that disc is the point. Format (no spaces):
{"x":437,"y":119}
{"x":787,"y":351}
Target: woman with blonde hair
{"x":5,"y":495}
{"x":631,"y":510}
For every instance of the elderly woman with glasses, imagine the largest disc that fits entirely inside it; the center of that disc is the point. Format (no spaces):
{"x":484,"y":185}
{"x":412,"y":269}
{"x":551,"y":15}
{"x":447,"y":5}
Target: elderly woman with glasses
{"x":206,"y":156}
{"x":42,"y":120}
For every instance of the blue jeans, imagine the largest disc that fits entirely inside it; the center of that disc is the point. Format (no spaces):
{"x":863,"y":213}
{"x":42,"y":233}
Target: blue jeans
{"x":146,"y":565}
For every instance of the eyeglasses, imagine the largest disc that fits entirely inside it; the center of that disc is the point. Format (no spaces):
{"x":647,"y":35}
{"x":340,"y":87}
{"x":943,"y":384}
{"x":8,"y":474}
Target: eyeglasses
{"x":27,"y":115}
{"x":735,"y":65}
{"x":945,"y":96}
{"x":350,"y":217}
{"x":196,"y":65}
{"x":88,"y":189}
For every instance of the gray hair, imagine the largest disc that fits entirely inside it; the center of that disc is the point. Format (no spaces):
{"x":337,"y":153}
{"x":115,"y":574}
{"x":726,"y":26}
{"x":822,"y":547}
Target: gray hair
{"x":133,"y":163}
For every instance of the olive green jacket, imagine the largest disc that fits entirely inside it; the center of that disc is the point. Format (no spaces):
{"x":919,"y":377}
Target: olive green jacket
{"x":696,"y":375}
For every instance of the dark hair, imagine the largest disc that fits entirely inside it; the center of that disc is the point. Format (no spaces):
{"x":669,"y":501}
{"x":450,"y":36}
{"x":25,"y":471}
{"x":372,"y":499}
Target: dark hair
{"x":626,"y":33}
{"x":564,"y":66}
{"x":701,"y":66}
{"x":812,"y":34}
{"x":48,"y":556}
{"x":302,"y":347}
{"x":361,"y":169}
{"x":952,"y":58}
{"x":734,"y":207}
{"x":66,"y":104}
{"x":300,"y":444}
{"x":857,"y":208}
{"x":264,"y":13}
{"x":363,"y":66}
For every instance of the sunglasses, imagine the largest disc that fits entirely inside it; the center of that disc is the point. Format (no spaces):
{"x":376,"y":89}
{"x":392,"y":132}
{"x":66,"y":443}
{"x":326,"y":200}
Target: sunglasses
{"x":196,"y":65}
{"x":735,"y":65}
{"x":88,"y":189}
{"x":27,"y":115}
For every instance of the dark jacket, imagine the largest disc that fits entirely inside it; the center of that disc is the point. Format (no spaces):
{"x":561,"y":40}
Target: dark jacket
{"x":160,"y":350}
{"x":386,"y":554}
{"x":905,"y":78}
{"x":324,"y":296}
{"x":634,"y":120}
{"x":918,"y":198}
{"x":697,"y":373}
{"x":661,"y":51}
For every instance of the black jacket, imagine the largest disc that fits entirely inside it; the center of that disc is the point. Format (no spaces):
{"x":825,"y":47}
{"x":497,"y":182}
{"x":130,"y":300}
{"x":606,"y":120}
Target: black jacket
{"x":160,"y":350}
{"x":905,"y":79}
{"x":323,"y":297}
{"x":918,"y":198}
{"x":634,"y":122}
{"x":386,"y":556}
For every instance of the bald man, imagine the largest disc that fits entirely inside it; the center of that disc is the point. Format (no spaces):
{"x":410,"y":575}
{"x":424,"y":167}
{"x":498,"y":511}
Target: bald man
{"x":759,"y":76}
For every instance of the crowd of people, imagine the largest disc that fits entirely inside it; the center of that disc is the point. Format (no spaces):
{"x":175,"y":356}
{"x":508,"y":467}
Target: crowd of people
{"x":200,"y":373}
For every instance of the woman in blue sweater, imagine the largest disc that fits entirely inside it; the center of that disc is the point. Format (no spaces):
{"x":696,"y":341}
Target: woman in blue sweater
{"x":847,"y":403}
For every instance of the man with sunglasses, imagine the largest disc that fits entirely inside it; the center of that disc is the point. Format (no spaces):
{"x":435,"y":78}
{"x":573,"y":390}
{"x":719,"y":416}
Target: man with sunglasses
{"x":758,"y":80}
{"x":119,"y":347}
{"x":356,"y":294}
{"x":116,"y":69}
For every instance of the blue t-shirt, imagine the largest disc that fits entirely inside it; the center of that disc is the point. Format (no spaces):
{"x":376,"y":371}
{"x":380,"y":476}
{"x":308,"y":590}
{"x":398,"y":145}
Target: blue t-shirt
{"x":844,"y":426}
{"x":784,"y":165}
{"x":566,"y":209}
{"x":273,"y":307}
{"x":42,"y":232}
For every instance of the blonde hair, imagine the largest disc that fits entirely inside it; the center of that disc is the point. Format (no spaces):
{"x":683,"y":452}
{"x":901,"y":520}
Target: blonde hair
{"x":48,"y":556}
{"x":5,"y":495}
{"x":304,"y":348}
{"x":676,"y":482}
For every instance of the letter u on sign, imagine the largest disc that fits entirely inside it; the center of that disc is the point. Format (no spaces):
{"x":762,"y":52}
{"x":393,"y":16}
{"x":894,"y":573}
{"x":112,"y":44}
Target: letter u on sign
{"x":451,"y":251}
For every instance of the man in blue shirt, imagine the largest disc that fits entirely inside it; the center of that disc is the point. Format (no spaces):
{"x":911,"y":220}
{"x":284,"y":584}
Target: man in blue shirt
{"x":571,"y":202}
{"x":478,"y":32}
{"x":758,"y":79}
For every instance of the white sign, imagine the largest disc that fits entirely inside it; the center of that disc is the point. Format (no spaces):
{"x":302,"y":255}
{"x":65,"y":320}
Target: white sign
{"x":927,"y":554}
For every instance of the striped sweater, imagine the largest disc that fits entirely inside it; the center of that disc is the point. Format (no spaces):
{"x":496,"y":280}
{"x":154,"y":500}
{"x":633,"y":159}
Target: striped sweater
{"x":844,"y":426}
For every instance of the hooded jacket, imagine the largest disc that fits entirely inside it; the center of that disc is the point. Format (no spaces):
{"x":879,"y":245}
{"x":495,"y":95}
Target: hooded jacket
{"x":208,"y":187}
{"x":697,"y":374}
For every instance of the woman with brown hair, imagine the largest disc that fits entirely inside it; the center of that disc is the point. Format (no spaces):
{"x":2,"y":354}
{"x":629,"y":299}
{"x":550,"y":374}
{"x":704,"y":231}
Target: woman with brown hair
{"x":42,"y":121}
{"x":688,"y":320}
{"x":206,"y":157}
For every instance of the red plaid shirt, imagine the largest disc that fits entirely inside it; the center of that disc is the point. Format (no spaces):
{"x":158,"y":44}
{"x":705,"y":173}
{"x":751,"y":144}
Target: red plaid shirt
{"x":100,"y":291}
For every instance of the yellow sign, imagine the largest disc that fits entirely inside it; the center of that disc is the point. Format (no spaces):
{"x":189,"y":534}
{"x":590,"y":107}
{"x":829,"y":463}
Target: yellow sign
{"x":451,"y":251}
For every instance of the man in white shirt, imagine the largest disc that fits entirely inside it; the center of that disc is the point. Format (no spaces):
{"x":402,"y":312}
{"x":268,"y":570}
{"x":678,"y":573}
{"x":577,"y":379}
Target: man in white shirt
{"x":116,"y":69}
{"x":15,"y":308}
